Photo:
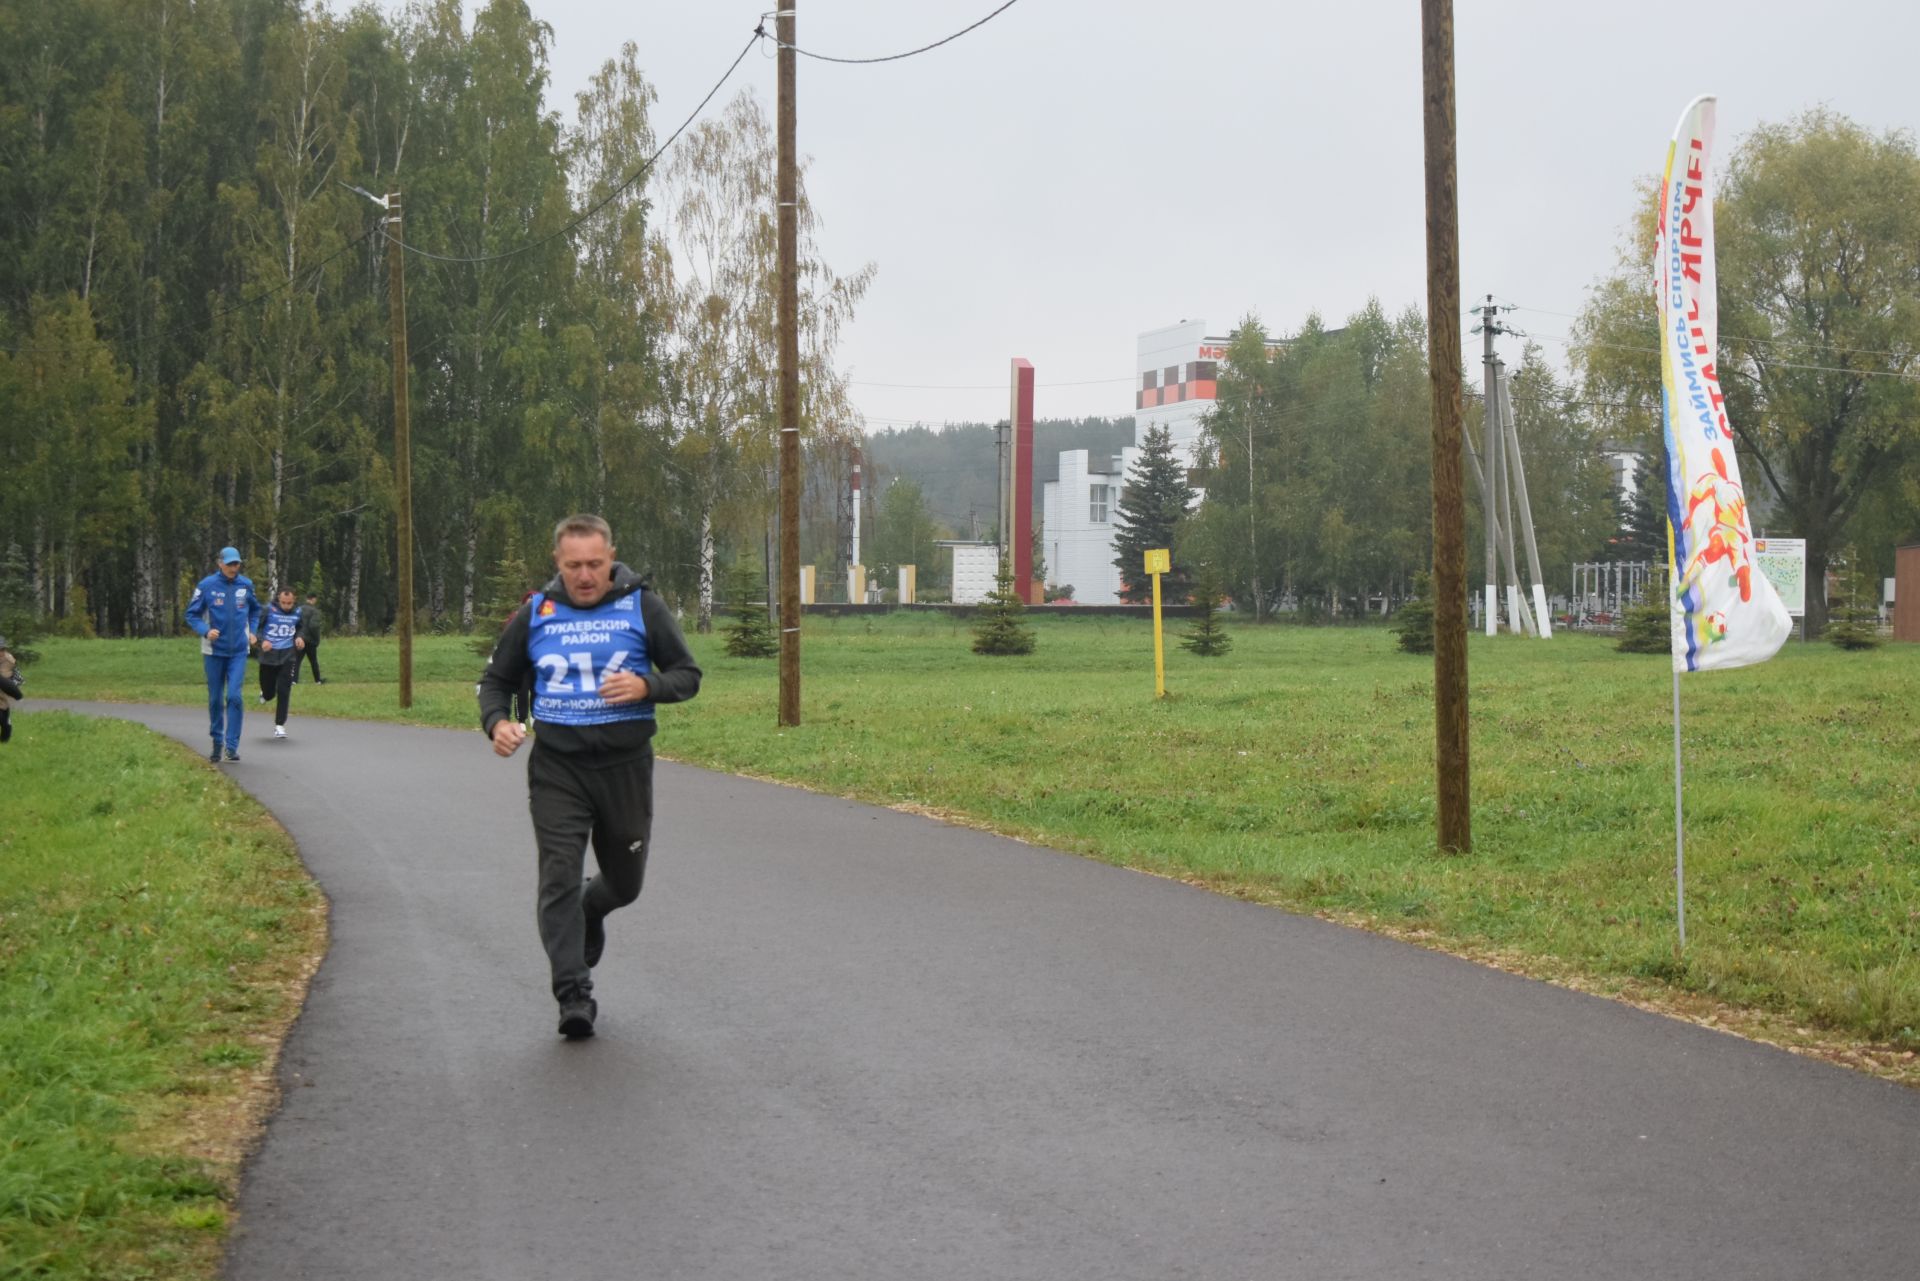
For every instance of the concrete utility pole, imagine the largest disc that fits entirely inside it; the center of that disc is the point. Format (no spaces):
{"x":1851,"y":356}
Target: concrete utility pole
{"x":1542,"y":623}
{"x":402,"y":442}
{"x":1000,"y":490}
{"x":1453,"y":811}
{"x":1490,"y":484}
{"x":1497,"y":485}
{"x":788,"y":185}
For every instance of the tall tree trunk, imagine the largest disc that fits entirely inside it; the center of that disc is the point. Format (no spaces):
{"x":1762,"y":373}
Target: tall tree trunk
{"x":42,"y":586}
{"x":703,"y":622}
{"x":273,"y":513}
{"x":1819,"y":548}
{"x":146,"y":582}
{"x":353,"y":573}
{"x":469,"y":575}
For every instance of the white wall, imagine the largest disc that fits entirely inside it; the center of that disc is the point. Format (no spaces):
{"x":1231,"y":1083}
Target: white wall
{"x":974,"y":571}
{"x":1080,"y":551}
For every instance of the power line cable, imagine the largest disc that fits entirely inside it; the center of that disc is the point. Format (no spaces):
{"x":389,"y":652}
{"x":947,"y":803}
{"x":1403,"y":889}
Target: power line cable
{"x":1085,"y":382}
{"x":759,"y":33}
{"x":1776,"y":364}
{"x":895,"y":57}
{"x":1806,"y":343}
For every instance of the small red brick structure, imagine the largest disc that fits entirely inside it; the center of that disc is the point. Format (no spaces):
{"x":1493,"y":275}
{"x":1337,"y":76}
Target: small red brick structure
{"x":1906,"y":593}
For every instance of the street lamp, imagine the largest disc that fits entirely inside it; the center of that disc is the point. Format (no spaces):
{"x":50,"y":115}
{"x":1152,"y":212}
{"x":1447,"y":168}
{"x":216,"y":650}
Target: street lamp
{"x":402,"y":442}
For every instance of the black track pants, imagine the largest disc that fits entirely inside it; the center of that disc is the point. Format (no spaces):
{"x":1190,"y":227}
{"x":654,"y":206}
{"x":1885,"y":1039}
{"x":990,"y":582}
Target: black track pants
{"x":276,"y":686}
{"x":573,"y":800}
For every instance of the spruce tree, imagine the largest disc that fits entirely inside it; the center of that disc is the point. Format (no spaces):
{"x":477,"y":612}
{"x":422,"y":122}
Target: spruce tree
{"x":1413,"y":621}
{"x":19,"y":618}
{"x":1207,"y":638}
{"x":1643,"y":525}
{"x":750,"y":634}
{"x":1649,"y":624}
{"x":1000,"y":627}
{"x":1856,"y":623}
{"x":1151,"y":506}
{"x":503,"y":592}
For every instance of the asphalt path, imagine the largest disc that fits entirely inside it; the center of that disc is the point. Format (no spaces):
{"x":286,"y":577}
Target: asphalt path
{"x":842,"y":1042}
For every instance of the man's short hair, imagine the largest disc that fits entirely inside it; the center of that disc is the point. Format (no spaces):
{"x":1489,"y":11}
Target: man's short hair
{"x":580,"y":526}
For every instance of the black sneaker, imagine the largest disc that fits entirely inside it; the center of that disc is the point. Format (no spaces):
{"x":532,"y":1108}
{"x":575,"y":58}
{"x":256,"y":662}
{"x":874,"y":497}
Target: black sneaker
{"x":233,"y":754}
{"x":576,"y":1018}
{"x":214,"y":755}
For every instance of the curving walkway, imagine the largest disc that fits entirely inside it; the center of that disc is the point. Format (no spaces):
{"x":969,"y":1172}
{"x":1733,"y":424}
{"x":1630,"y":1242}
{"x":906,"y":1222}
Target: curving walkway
{"x":839,"y":1042}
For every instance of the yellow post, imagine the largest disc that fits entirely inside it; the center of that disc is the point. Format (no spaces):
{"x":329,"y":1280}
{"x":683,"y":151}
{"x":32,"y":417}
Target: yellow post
{"x":1159,"y":562}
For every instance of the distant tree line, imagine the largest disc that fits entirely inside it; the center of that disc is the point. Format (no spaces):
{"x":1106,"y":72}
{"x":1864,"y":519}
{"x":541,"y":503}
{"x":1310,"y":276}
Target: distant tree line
{"x":194,"y":310}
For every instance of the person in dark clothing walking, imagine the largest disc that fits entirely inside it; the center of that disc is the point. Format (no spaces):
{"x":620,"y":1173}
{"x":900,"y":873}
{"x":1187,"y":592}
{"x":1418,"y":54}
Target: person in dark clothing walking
{"x":283,"y":636}
{"x":602,"y":649}
{"x":312,"y":651}
{"x":10,"y":682}
{"x":225,"y":611}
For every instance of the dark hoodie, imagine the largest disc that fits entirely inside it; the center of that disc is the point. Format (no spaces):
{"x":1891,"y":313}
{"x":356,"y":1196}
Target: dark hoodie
{"x":674,"y":676}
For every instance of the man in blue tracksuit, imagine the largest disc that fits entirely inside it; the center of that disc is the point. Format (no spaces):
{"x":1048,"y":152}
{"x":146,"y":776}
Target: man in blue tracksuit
{"x":225,"y":611}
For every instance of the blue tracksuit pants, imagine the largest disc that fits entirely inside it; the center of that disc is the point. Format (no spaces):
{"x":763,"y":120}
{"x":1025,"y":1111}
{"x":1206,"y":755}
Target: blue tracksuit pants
{"x":226,"y":693}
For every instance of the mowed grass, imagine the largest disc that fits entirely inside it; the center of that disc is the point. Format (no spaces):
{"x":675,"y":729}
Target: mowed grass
{"x":156,"y":933}
{"x":1298,"y":770}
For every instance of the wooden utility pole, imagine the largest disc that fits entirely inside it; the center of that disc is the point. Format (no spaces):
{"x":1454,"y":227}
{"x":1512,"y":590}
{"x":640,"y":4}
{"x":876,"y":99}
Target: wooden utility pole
{"x":789,"y":323}
{"x":1454,"y":809}
{"x":402,"y":442}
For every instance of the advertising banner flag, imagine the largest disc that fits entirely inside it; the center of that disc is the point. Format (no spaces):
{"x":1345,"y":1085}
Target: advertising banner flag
{"x":1724,"y":611}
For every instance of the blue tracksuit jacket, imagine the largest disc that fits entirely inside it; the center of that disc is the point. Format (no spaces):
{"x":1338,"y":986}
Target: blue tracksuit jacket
{"x":231,"y":606}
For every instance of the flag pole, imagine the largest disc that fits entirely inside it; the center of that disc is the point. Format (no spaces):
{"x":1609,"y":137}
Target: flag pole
{"x":1679,"y":825}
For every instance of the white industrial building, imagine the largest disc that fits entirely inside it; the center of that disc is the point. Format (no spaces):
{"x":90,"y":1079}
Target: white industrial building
{"x":1178,"y":370}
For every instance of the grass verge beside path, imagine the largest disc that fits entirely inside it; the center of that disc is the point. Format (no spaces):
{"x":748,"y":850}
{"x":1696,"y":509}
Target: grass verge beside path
{"x":1297,"y":770}
{"x":157,"y":933}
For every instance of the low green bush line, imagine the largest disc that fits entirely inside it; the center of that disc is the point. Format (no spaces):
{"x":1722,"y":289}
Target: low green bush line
{"x":1298,"y":769}
{"x":156,"y":930}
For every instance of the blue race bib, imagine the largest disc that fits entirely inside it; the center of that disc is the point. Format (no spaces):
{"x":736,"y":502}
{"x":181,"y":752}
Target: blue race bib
{"x":280,"y":629}
{"x":574,"y":649}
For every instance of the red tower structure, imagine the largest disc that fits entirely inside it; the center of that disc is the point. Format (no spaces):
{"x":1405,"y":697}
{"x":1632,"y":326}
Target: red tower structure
{"x":1019,"y":484}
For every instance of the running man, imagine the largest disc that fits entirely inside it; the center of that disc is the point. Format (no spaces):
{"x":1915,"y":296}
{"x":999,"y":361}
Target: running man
{"x":283,"y":635}
{"x":226,"y":613}
{"x":603,"y":649}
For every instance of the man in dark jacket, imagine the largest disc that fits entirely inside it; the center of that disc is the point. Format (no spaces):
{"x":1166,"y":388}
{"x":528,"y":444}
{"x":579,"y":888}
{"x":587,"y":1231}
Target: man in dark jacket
{"x":602,"y":649}
{"x":312,"y":651}
{"x":225,"y":611}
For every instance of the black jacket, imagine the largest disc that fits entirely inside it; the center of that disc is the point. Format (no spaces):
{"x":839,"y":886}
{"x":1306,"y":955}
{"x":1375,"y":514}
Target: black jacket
{"x":675,"y":676}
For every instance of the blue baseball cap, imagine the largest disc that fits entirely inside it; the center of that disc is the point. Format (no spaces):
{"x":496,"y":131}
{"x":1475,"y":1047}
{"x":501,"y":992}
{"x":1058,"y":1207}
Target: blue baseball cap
{"x":229,"y":556}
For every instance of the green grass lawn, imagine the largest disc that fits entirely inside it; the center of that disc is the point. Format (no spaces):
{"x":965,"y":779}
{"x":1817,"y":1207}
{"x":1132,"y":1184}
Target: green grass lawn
{"x":156,"y":932}
{"x":1298,"y":770}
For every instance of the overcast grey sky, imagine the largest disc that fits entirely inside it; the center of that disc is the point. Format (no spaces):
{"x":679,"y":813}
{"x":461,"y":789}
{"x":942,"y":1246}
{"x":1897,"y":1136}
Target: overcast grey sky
{"x":1074,"y":173}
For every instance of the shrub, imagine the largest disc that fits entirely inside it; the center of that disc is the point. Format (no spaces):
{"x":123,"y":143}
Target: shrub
{"x":1413,"y":621}
{"x":1000,"y":627}
{"x":1649,"y":624}
{"x":1207,"y":638}
{"x":1855,"y":623}
{"x":750,"y":634}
